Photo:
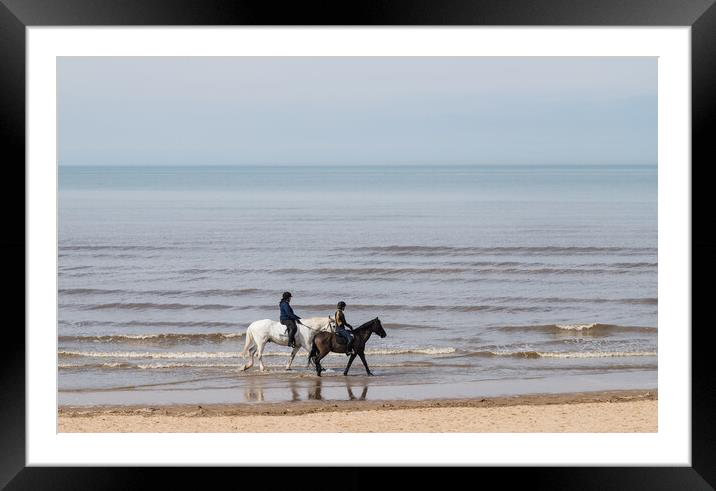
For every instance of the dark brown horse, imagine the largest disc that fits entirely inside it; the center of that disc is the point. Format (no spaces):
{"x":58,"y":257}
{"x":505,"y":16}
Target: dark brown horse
{"x":325,"y":342}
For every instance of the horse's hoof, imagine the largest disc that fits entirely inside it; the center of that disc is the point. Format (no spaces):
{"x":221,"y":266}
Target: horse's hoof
{"x":370,"y":374}
{"x":345,"y":374}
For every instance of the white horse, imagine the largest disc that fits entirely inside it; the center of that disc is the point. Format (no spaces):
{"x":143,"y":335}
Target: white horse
{"x":261,"y":332}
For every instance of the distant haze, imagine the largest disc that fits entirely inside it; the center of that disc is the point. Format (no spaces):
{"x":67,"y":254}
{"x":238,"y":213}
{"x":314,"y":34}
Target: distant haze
{"x":356,"y":111}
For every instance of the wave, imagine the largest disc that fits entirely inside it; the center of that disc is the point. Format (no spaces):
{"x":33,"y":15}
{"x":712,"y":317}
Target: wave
{"x":391,"y":249}
{"x":411,"y":351}
{"x":428,"y":351}
{"x":630,"y":301}
{"x":281,"y":366}
{"x":372,"y":273}
{"x":549,"y":250}
{"x":602,"y":368}
{"x":634,"y":265}
{"x":211,"y":270}
{"x":84,"y":366}
{"x":444,"y":271}
{"x":170,"y":365}
{"x":557,"y":271}
{"x":178,"y":324}
{"x":527,"y":264}
{"x":150,"y":306}
{"x":114,"y":247}
{"x":450,"y":308}
{"x":319,"y":307}
{"x":381,"y":271}
{"x":166,"y":337}
{"x":121,"y":256}
{"x":592,"y":327}
{"x":575,"y":327}
{"x":149,"y":354}
{"x":217,"y":292}
{"x":236,"y":354}
{"x":563,"y":354}
{"x":67,"y":366}
{"x":397,"y":325}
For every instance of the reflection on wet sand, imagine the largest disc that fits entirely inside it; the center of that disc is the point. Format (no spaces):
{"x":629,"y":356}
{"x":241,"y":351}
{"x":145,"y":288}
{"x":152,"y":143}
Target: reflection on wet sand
{"x":363,"y":393}
{"x":254,"y":394}
{"x":313,"y":392}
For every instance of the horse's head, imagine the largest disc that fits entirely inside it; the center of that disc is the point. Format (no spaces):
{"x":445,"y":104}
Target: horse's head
{"x":377,"y":328}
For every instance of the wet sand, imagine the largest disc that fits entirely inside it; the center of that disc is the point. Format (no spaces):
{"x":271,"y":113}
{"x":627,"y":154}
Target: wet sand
{"x":592,"y":412}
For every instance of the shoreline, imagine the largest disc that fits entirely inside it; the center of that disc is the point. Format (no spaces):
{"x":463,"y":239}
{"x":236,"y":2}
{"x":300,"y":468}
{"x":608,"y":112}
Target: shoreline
{"x":601,"y":411}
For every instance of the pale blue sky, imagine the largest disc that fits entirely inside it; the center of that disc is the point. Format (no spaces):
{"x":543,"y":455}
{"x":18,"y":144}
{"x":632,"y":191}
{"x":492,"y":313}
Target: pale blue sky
{"x":308,"y":110}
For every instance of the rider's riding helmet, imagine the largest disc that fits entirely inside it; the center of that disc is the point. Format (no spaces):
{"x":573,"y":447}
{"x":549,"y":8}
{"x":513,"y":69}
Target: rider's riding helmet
{"x":341,"y":305}
{"x":286,"y":295}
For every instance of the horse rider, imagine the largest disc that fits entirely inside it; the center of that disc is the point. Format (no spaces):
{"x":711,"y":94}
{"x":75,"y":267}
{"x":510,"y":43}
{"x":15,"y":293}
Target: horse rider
{"x":288,"y":318}
{"x":341,"y":325}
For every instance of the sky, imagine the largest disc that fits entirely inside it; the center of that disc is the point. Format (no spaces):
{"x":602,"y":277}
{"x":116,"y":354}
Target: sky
{"x":356,"y":110}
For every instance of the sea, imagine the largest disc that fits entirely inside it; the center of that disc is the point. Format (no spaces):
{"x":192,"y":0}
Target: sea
{"x":489,"y":280}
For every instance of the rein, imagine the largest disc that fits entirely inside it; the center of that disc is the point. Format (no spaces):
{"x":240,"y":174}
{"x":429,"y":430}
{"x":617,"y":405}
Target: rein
{"x":364,"y":327}
{"x":331,"y":324}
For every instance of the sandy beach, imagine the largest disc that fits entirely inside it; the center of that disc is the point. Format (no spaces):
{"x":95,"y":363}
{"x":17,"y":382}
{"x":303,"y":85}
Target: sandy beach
{"x":590,"y":412}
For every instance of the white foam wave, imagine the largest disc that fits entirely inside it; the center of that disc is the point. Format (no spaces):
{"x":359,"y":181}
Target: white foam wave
{"x":597,"y":354}
{"x":173,"y":365}
{"x":149,"y":366}
{"x":103,"y":365}
{"x":571,"y":354}
{"x":234,"y":354}
{"x":409,"y":351}
{"x":150,"y":354}
{"x":576,"y":327}
{"x":180,"y":336}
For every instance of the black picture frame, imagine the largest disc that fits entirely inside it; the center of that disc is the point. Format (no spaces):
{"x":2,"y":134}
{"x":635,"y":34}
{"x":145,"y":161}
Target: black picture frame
{"x":16,"y":15}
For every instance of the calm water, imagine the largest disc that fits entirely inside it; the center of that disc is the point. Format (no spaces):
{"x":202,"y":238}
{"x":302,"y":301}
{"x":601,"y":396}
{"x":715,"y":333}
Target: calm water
{"x":488,"y":280}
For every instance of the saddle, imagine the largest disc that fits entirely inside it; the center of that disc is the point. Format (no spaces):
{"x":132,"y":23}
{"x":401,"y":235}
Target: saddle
{"x":340,"y":339}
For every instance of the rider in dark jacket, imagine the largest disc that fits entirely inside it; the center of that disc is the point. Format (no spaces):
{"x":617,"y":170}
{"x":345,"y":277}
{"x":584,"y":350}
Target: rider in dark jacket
{"x":341,"y":325}
{"x":288,"y":318}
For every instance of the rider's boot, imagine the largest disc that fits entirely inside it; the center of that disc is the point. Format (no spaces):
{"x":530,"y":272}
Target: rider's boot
{"x":349,"y":348}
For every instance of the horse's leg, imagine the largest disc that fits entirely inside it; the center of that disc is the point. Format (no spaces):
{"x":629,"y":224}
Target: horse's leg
{"x":293,"y":354}
{"x":350,"y":362}
{"x":252,"y":352}
{"x":260,"y":354}
{"x":365,"y":363}
{"x":317,"y":361}
{"x":318,"y":366}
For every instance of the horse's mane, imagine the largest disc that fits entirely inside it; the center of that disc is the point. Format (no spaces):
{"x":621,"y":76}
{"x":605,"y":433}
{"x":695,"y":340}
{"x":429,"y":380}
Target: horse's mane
{"x":365,"y":325}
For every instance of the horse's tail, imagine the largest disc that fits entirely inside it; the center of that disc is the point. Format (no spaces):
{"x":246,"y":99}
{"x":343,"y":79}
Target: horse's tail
{"x":314,"y":349}
{"x":249,"y":341}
